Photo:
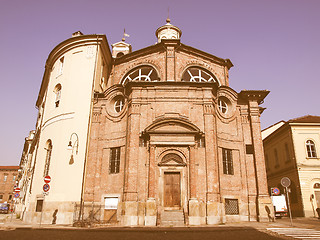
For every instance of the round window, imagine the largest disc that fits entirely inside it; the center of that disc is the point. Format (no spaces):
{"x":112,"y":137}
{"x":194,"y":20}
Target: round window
{"x":223,"y":106}
{"x":119,"y":104}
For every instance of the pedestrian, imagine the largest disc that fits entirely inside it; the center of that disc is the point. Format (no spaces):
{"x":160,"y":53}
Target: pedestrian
{"x":318,"y":211}
{"x":54,"y":215}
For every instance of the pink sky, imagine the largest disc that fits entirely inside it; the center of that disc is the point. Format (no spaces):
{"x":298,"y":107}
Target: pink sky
{"x":273,"y":44}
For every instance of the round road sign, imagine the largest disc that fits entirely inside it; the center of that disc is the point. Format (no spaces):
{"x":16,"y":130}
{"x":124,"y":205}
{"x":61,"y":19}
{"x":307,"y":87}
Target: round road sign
{"x":276,"y":191}
{"x":285,"y":182}
{"x":16,"y":195}
{"x":17,"y":190}
{"x":47,"y":179}
{"x":46,"y":187}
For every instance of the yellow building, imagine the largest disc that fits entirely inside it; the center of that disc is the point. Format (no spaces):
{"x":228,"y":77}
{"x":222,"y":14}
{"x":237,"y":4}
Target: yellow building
{"x":292,"y":150}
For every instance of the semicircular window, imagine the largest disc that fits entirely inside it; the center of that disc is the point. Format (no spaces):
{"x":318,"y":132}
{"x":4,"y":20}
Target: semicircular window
{"x":142,"y":73}
{"x":195,"y":74}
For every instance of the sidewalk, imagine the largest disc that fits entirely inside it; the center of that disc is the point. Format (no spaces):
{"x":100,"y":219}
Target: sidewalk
{"x":8,"y":223}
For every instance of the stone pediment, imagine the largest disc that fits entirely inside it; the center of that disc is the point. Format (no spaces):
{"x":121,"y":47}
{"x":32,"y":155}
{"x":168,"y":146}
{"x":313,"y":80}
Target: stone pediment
{"x":172,"y":159}
{"x":172,"y":125}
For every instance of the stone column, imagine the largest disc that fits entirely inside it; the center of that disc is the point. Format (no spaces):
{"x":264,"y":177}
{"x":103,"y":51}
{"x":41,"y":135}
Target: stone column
{"x":263,"y":199}
{"x":194,"y":214}
{"x":130,"y":201}
{"x":213,"y":184}
{"x":151,"y":207}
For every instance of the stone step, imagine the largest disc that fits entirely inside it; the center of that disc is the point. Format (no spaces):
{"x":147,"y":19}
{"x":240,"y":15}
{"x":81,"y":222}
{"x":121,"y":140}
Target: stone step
{"x":172,"y":224}
{"x":172,"y":218}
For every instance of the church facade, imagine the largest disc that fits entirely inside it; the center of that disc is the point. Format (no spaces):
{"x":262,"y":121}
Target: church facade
{"x":156,"y":137}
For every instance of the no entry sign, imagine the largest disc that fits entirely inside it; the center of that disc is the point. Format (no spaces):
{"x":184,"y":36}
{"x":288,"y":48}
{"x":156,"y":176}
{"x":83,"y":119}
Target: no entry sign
{"x":46,"y":187}
{"x":17,"y":190}
{"x":47,"y":179}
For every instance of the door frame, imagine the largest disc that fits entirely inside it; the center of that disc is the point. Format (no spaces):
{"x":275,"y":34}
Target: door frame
{"x":183,"y":192}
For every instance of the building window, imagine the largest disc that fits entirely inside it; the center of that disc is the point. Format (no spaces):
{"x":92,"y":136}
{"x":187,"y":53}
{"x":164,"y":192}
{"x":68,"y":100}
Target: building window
{"x":114,"y":164}
{"x":143,"y":73}
{"x":227,"y":161}
{"x":231,"y":206}
{"x":57,"y":91}
{"x":10,"y":197}
{"x":39,"y":205}
{"x":1,"y":197}
{"x":276,"y":159}
{"x":61,"y":63}
{"x":311,"y":149}
{"x":14,"y":178}
{"x":119,"y":104}
{"x":287,"y":152}
{"x":223,"y":106}
{"x":195,"y":74}
{"x":48,"y":148}
{"x":5,"y":178}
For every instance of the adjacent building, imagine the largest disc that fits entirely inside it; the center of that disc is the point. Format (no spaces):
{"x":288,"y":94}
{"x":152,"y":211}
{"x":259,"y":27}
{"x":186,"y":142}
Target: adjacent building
{"x":8,"y":178}
{"x":145,"y":137}
{"x":292,"y":150}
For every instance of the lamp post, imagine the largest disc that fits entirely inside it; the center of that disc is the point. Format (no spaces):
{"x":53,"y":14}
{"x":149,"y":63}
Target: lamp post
{"x":73,"y":144}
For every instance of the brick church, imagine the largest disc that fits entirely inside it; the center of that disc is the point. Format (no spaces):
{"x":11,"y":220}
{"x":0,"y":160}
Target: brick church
{"x":157,"y":137}
{"x":170,"y":141}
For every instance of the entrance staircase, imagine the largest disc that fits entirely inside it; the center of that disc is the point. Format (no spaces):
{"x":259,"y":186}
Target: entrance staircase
{"x":172,"y":218}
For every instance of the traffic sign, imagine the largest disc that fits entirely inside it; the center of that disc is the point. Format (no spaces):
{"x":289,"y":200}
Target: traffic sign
{"x":275,"y":191}
{"x":47,"y":179}
{"x":16,"y":195}
{"x":285,"y":182}
{"x":46,"y":187}
{"x":17,"y":190}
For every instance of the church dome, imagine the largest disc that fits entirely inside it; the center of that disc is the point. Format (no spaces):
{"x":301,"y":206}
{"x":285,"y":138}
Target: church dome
{"x":168,"y":31}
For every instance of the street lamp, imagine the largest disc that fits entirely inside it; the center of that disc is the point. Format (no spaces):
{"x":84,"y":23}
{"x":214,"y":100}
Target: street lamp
{"x":73,"y":144}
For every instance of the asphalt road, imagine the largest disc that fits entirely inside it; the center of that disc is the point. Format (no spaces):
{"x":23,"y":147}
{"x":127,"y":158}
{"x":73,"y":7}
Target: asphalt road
{"x":205,"y":233}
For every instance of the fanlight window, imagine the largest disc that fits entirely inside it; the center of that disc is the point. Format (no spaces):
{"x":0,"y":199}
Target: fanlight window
{"x":144,"y":73}
{"x":195,"y":74}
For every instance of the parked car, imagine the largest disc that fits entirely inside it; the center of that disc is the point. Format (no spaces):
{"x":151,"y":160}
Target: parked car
{"x":4,"y":208}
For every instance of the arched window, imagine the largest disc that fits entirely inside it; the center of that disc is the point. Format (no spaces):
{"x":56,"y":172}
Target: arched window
{"x":142,"y":73}
{"x":196,"y":74}
{"x":48,"y":148}
{"x":311,"y":149}
{"x":57,"y":91}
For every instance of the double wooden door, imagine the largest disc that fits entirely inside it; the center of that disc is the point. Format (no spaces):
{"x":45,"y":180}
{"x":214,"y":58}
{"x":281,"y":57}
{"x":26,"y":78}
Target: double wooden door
{"x":172,"y":192}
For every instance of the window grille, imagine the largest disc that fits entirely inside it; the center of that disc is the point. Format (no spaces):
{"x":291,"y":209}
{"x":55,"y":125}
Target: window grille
{"x":231,"y":206}
{"x":227,"y":161}
{"x":114,"y":164}
{"x":311,"y":149}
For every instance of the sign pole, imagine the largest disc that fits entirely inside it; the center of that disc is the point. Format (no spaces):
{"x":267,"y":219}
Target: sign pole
{"x":289,"y":206}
